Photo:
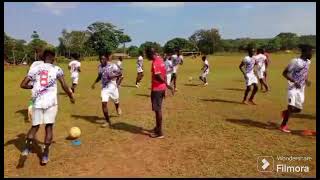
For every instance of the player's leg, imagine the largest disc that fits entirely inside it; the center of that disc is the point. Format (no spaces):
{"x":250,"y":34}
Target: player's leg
{"x":156,"y":100}
{"x":115,"y":97}
{"x":49,"y":117}
{"x":104,"y":105}
{"x":47,"y":143}
{"x":286,"y":115}
{"x":37,"y":117}
{"x":246,"y":92}
{"x":254,"y":91}
{"x":261,"y":84}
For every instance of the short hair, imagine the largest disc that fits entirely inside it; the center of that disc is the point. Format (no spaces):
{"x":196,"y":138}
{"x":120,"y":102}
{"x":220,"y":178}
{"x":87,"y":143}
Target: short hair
{"x":150,"y":52}
{"x":120,"y":58}
{"x":204,"y":57}
{"x":260,"y":51}
{"x":105,"y":53}
{"x":75,"y":55}
{"x":48,"y":52}
{"x":305,"y":48}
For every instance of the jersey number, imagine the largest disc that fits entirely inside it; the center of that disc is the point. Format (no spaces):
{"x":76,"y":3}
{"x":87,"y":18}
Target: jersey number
{"x":44,"y":78}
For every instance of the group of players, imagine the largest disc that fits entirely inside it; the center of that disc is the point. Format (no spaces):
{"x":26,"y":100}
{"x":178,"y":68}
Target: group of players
{"x":43,"y":74}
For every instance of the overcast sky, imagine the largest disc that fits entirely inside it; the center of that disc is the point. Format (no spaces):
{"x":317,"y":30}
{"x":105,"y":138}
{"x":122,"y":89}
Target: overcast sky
{"x":160,"y":21}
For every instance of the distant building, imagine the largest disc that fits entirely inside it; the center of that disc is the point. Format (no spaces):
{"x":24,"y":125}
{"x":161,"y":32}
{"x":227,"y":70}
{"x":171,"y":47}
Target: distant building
{"x":123,"y":55}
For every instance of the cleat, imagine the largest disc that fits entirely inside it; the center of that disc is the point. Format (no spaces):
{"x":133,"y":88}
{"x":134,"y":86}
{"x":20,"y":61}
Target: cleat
{"x":25,"y":152}
{"x":285,"y":129}
{"x":45,"y":160}
{"x":155,"y":135}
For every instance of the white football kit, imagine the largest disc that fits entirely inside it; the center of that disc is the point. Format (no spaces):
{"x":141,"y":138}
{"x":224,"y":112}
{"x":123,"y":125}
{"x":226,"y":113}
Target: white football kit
{"x":249,"y":67}
{"x":205,"y":69}
{"x":298,"y":70}
{"x":44,"y":93}
{"x":175,"y":63}
{"x":74,"y":65}
{"x":140,"y":64}
{"x":261,"y":64}
{"x":169,"y":70}
{"x":109,"y":85}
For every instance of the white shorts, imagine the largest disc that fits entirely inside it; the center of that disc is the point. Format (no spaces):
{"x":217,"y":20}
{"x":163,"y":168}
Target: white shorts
{"x":296,"y":97}
{"x":175,"y":69}
{"x":75,"y":78}
{"x":44,"y":116}
{"x":252,"y":79}
{"x":260,"y":74}
{"x":110,"y":91}
{"x":139,"y":69}
{"x":205,"y":73}
{"x":169,"y":78}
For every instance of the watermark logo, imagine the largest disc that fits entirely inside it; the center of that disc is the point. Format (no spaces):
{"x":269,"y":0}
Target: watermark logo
{"x":265,"y":163}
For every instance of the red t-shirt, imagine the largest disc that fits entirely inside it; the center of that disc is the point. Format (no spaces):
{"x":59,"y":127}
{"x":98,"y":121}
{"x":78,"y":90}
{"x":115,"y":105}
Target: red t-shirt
{"x":158,"y":67}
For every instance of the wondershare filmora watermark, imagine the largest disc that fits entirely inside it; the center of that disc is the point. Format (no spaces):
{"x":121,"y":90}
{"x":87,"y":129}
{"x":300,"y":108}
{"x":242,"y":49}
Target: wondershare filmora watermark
{"x":284,"y":164}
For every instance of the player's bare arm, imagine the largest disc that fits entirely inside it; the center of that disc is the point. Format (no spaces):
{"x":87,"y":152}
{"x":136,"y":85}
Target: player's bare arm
{"x":25,"y":83}
{"x":97,"y":80}
{"x":160,"y":79}
{"x":241,"y":69}
{"x":286,"y":73}
{"x":66,"y":88}
{"x":79,"y":70}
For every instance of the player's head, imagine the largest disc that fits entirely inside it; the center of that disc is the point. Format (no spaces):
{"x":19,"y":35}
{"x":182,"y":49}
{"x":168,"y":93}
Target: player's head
{"x":306,"y":51}
{"x":260,"y":51}
{"x":48,"y":56}
{"x":75,"y":56}
{"x":176,"y":51}
{"x":120,"y":58}
{"x":105,"y":57}
{"x":250,"y":51}
{"x":204,"y":58}
{"x":150,"y":53}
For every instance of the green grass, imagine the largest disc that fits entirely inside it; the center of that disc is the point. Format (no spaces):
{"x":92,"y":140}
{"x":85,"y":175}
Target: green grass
{"x":208,"y":133}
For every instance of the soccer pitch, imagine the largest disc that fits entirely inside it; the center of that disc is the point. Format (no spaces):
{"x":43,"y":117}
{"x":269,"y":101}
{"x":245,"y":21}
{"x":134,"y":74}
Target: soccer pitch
{"x":208,"y":132}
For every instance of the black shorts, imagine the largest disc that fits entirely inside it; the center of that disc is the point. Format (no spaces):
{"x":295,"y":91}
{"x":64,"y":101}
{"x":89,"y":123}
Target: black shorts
{"x":156,"y":100}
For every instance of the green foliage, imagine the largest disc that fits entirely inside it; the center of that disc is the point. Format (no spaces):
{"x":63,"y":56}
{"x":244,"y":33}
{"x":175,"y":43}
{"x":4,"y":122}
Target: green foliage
{"x":133,"y":51}
{"x":177,"y":43}
{"x":149,"y":44}
{"x":206,"y":41}
{"x":288,"y":40}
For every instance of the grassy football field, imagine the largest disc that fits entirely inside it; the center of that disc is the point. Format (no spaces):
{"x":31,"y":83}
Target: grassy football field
{"x":208,"y":132}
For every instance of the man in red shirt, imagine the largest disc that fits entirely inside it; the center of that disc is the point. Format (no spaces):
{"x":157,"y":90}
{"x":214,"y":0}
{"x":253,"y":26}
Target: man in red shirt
{"x":158,"y":88}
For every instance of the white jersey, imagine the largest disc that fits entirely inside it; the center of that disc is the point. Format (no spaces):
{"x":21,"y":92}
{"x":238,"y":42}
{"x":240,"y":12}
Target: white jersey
{"x":35,"y":63}
{"x":44,"y":92}
{"x":119,"y":64}
{"x":74,"y":66}
{"x":249,"y":63}
{"x":169,"y":66}
{"x":298,"y":71}
{"x":140,"y":62}
{"x":261,"y":61}
{"x":107,"y":72}
{"x":174,"y":60}
{"x":205,"y":66}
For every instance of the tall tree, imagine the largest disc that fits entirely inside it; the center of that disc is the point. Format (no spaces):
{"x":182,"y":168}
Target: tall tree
{"x":177,"y":43}
{"x":208,"y":41}
{"x":103,"y":37}
{"x":123,"y":39}
{"x":288,"y":40}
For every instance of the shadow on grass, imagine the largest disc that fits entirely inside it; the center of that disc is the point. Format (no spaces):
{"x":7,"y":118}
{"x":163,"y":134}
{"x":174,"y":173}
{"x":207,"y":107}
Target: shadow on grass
{"x":62,"y":93}
{"x":19,"y":143}
{"x":131,"y":86}
{"x":129,"y":128}
{"x":92,"y":119}
{"x":269,"y":125}
{"x":24,"y":113}
{"x":304,"y":116}
{"x":192,"y":84}
{"x":234,"y":89}
{"x":221,"y":100}
{"x":144,"y":95}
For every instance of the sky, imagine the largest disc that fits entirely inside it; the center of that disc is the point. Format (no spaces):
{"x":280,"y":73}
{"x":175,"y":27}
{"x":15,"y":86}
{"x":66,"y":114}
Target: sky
{"x":160,"y":21}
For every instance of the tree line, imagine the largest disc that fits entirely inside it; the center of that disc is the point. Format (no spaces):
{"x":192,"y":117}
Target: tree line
{"x":104,"y":36}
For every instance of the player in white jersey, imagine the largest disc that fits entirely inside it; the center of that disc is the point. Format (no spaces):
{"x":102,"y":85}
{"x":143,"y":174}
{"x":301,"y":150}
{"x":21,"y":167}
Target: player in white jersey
{"x":297,"y":75}
{"x":205,"y":71}
{"x":45,"y":102}
{"x":261,"y":61}
{"x":169,"y":68}
{"x":108,"y":74}
{"x":139,"y":69}
{"x":74,"y":67}
{"x":34,"y":64}
{"x":177,"y":60}
{"x":251,"y":80}
{"x":119,"y":64}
